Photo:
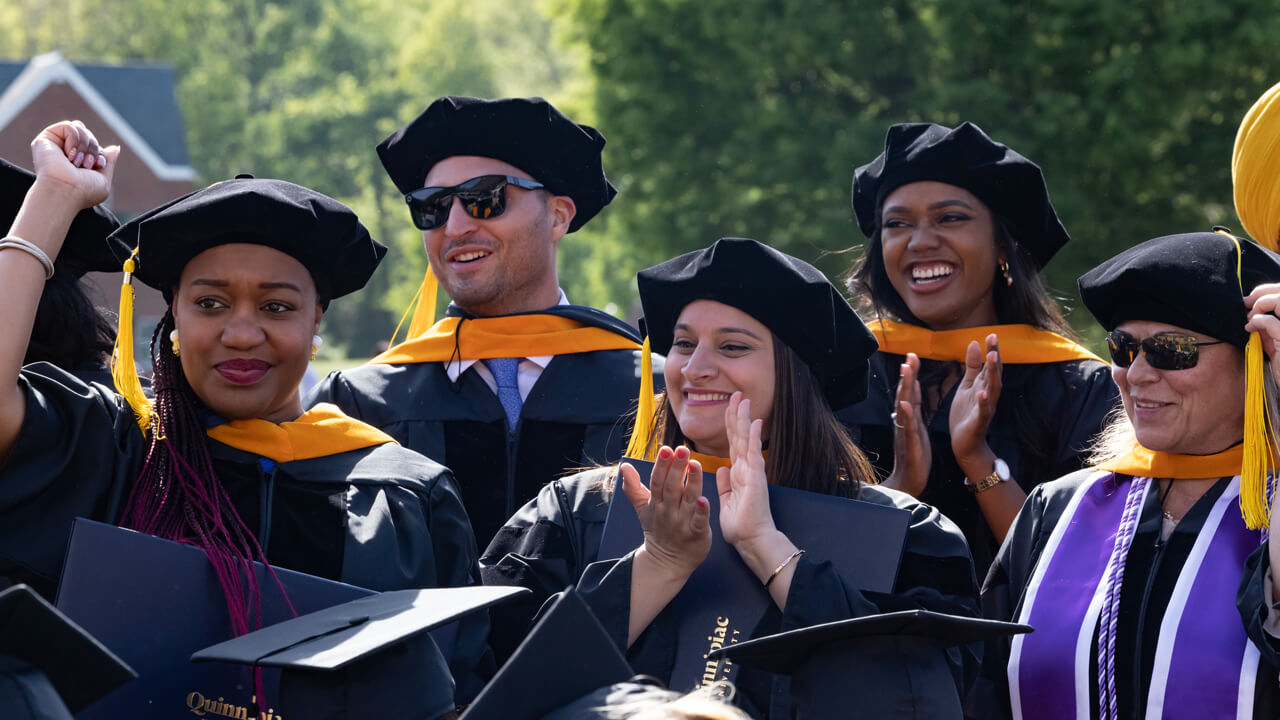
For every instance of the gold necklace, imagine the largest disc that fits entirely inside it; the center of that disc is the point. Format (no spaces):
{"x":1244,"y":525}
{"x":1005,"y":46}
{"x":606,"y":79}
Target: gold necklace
{"x":1164,"y":495}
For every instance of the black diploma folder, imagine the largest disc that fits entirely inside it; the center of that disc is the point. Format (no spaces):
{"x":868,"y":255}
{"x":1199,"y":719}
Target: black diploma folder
{"x":723,"y":601}
{"x":154,"y":602}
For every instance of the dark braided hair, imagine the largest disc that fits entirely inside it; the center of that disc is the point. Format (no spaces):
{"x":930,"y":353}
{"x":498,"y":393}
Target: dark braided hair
{"x":178,"y":496}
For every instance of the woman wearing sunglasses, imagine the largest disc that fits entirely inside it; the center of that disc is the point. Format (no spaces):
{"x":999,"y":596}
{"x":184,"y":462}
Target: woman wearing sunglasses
{"x":978,"y":392}
{"x":223,"y":458}
{"x":745,"y":369}
{"x":1129,"y":571}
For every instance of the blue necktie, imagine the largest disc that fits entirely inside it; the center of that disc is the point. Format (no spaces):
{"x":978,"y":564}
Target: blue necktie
{"x":504,"y":376}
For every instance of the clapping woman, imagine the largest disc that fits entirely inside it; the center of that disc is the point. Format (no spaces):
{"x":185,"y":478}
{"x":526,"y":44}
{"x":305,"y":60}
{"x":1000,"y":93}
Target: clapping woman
{"x":979,"y":392}
{"x":760,"y":347}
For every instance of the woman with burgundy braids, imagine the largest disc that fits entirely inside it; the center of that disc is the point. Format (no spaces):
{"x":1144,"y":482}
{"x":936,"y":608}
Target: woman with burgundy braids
{"x":223,"y":458}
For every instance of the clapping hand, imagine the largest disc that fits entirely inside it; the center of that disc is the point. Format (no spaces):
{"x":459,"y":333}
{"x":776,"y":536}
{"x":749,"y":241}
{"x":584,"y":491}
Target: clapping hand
{"x":673,"y":514}
{"x":973,"y":407}
{"x":912,"y":456}
{"x":743,"y":487}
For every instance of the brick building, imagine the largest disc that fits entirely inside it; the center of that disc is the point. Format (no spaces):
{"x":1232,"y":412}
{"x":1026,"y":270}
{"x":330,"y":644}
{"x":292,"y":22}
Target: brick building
{"x":132,"y":105}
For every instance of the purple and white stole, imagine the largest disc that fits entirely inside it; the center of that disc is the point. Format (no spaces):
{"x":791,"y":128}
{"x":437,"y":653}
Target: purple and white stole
{"x":1204,"y":668}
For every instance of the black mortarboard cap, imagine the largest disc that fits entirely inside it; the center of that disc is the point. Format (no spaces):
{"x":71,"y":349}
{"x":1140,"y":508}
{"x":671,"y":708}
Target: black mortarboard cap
{"x":567,"y":655}
{"x":1011,"y":185}
{"x":891,"y":665}
{"x":371,"y":657}
{"x":1188,"y":280}
{"x":85,"y":249}
{"x":49,"y":666}
{"x":788,"y":295}
{"x":320,"y":232}
{"x":528,"y":133}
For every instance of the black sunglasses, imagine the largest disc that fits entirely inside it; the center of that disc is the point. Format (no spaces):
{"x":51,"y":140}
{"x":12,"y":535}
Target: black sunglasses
{"x":1164,"y":352}
{"x":482,"y":198}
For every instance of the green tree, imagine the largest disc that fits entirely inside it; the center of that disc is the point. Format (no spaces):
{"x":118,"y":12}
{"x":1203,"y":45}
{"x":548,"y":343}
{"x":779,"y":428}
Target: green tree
{"x":304,"y":89}
{"x":748,"y":117}
{"x":744,"y":117}
{"x":1130,"y":108}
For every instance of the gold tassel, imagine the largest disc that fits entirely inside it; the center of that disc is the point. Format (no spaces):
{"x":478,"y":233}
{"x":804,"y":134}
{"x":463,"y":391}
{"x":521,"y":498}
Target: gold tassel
{"x":1258,"y":432}
{"x":422,"y":308}
{"x":425,"y":316}
{"x":1254,"y":162}
{"x":1254,"y":503}
{"x":123,"y":372}
{"x":642,"y":430}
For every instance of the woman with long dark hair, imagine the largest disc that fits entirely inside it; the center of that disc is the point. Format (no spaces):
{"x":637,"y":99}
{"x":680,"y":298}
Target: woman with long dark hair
{"x":979,"y":391}
{"x":223,"y":458}
{"x":760,"y":346}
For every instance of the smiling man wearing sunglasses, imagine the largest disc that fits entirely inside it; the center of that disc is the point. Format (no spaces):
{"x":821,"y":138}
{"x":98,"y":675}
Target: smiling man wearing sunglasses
{"x":515,"y":385}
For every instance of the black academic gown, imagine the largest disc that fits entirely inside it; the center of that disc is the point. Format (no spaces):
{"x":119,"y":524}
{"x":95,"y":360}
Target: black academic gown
{"x":554,"y":540}
{"x":569,"y":421}
{"x":1044,"y":420}
{"x":1151,"y":570}
{"x":382,"y":517}
{"x":102,"y":374}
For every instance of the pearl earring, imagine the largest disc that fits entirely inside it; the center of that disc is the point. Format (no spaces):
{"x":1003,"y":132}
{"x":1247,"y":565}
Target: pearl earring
{"x":316,"y":343}
{"x":1004,"y":269}
{"x":173,"y":340}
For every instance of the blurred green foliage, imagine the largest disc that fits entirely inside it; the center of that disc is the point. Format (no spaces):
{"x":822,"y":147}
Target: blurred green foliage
{"x":304,"y":89}
{"x":749,"y":116}
{"x":724,"y":117}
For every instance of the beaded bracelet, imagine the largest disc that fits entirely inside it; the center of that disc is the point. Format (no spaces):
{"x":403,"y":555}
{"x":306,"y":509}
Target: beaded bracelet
{"x":13,"y":241}
{"x":782,"y":565}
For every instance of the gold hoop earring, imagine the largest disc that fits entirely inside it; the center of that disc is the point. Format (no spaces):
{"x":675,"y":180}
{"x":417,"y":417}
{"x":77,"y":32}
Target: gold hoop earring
{"x":173,"y":340}
{"x":1004,"y":270}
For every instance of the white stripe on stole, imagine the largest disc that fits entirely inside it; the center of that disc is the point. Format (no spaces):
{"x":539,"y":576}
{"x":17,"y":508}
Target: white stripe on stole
{"x":1178,"y":600}
{"x":1085,"y":671}
{"x":1248,"y":682}
{"x":1029,"y":600}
